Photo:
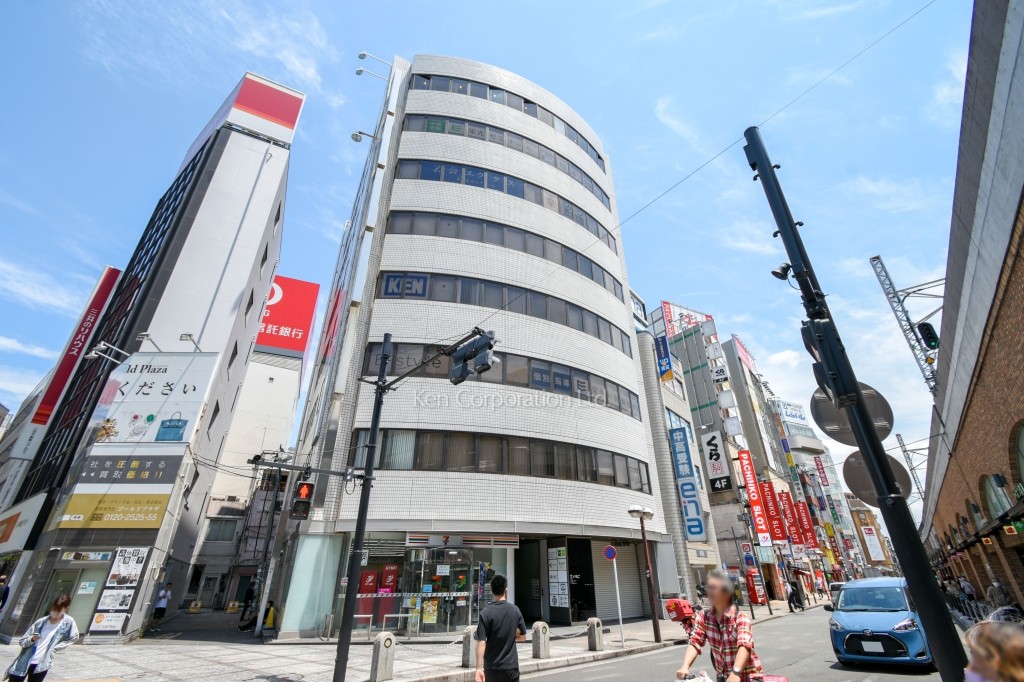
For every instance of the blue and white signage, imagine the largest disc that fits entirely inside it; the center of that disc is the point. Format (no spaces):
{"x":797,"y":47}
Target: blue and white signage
{"x":664,"y":359}
{"x":410,"y":285}
{"x":686,"y":483}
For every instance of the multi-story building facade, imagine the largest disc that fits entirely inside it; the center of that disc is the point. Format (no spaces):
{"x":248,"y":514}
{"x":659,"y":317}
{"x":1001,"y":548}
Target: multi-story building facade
{"x":974,"y":493}
{"x":681,"y":471}
{"x":193,"y":290}
{"x":878,"y":559}
{"x":240,"y":517}
{"x":486,"y":201}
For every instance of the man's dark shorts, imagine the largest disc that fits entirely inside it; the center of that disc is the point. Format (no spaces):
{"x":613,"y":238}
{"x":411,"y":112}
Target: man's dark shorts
{"x":159,"y":612}
{"x":501,"y":674}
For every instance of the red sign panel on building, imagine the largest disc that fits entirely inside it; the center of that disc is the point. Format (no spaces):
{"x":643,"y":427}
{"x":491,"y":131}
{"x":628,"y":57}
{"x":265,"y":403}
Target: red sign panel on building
{"x":822,"y":476}
{"x":776,"y":525}
{"x":757,"y":511}
{"x":796,"y":536}
{"x":803,"y":515}
{"x":77,"y":347}
{"x":287,"y":317}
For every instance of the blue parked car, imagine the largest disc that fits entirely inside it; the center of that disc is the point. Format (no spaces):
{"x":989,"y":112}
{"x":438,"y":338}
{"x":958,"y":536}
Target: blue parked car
{"x":875,"y":622}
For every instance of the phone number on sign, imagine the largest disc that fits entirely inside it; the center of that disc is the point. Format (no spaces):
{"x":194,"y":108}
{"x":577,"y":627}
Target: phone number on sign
{"x":112,"y":517}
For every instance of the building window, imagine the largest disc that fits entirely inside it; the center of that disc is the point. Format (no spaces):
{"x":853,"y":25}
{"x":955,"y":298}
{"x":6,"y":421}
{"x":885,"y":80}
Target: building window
{"x":399,"y":448}
{"x":499,"y":182}
{"x":429,"y":451}
{"x":514,"y":370}
{"x":213,"y":417}
{"x":996,"y":499}
{"x":517,"y":102}
{"x":221,"y":530}
{"x":490,"y":453}
{"x":249,"y":304}
{"x":234,"y":355}
{"x":461,"y":453}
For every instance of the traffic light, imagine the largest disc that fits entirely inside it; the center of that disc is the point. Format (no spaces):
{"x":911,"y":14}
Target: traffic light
{"x":928,"y":335}
{"x":826,"y":348}
{"x":473,"y":356}
{"x":302,"y":500}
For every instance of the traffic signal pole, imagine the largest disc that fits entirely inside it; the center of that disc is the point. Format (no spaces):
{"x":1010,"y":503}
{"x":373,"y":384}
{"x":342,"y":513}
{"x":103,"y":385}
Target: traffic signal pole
{"x":841,"y":383}
{"x":381,"y":386}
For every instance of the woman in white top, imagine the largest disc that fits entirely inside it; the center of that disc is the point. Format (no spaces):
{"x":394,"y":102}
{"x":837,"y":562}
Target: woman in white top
{"x":53,"y":632}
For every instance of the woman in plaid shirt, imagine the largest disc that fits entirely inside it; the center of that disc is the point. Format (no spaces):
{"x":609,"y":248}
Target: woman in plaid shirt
{"x":727,"y":631}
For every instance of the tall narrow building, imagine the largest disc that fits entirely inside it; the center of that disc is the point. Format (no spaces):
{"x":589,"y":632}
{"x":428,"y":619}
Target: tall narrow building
{"x":180,"y":325}
{"x":485,"y":201}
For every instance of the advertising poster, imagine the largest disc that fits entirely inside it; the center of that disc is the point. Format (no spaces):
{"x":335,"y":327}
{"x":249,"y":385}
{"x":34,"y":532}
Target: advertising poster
{"x":872,"y":544}
{"x":719,"y":476}
{"x":757,"y":512}
{"x":127,"y":567}
{"x":287,"y":316}
{"x":687,"y":485}
{"x":430,"y":611}
{"x":822,"y":476}
{"x":803,"y":516}
{"x":106,"y":621}
{"x":114,"y":510}
{"x":664,"y":359}
{"x":116,"y":599}
{"x":388,"y":578}
{"x":776,"y":524}
{"x":368,"y":581}
{"x":796,"y":535}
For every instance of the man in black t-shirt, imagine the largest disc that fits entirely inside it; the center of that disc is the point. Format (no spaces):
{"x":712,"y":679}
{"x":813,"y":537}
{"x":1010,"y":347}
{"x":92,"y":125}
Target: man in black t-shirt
{"x":501,"y":625}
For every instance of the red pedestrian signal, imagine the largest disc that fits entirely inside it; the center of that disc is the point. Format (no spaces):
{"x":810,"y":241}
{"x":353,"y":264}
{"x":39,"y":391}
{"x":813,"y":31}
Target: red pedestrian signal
{"x":302,"y":501}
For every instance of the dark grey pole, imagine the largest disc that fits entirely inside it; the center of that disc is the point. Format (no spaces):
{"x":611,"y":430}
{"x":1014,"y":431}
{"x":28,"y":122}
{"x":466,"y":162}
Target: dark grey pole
{"x":348,"y":611}
{"x":650,"y":582}
{"x":270,"y":529}
{"x":937,"y":623}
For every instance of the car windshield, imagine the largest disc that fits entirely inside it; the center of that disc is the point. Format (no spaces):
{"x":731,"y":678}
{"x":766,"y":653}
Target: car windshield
{"x":872,"y":599}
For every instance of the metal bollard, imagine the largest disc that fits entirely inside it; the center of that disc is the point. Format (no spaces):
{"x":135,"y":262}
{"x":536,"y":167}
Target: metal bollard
{"x":595,"y":634}
{"x":382,"y":661}
{"x":468,"y":647}
{"x":541,"y":640}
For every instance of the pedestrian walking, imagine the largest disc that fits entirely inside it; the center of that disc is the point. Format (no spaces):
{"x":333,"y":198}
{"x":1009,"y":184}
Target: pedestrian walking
{"x":160,"y":608}
{"x":727,"y":631}
{"x":45,"y":636}
{"x":501,"y":625}
{"x":793,"y":596}
{"x":997,"y":595}
{"x":967,"y":588}
{"x":819,"y":584}
{"x":997,"y":652}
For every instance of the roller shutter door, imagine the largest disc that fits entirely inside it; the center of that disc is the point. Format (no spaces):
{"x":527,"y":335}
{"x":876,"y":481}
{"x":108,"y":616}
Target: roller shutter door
{"x":629,"y":581}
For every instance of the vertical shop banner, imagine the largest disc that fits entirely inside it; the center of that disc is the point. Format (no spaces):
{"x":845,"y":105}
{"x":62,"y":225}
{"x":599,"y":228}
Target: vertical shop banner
{"x":388,"y":579}
{"x":776,"y":524}
{"x":664,"y":359}
{"x":719,"y":477}
{"x":796,"y":536}
{"x":835,"y":549}
{"x":287,"y":317}
{"x":686,"y":484}
{"x":77,"y":346}
{"x":872,"y":544}
{"x":757,"y":512}
{"x":822,"y":477}
{"x":803,"y":515}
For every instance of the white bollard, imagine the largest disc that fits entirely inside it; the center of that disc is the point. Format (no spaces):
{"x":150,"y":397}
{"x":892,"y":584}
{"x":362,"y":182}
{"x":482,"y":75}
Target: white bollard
{"x":382,"y":662}
{"x":469,"y":647}
{"x":595,"y":634}
{"x":541,"y":640}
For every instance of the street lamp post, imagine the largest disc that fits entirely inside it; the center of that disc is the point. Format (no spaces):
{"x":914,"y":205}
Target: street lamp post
{"x":645,"y":515}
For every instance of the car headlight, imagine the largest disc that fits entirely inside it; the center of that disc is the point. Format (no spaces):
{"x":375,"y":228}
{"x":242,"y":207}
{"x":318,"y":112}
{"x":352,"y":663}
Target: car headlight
{"x":835,"y":625}
{"x":908,"y":624}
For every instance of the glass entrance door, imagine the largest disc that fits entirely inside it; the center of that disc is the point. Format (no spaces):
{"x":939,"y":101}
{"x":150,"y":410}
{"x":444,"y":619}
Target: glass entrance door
{"x":444,"y":577}
{"x":62,"y":582}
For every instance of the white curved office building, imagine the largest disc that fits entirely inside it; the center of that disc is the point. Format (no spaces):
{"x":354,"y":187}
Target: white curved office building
{"x":486,"y":201}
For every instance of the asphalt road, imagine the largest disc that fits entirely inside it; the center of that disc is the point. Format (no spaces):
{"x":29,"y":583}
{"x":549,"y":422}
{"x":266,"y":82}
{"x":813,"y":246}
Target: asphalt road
{"x":795,"y":646}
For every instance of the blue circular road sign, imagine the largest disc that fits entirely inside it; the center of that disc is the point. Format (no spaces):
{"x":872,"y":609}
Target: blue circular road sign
{"x":609,"y":552}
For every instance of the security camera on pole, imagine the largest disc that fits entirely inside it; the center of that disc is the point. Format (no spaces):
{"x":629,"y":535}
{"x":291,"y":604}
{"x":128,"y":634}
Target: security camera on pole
{"x":835,"y":377}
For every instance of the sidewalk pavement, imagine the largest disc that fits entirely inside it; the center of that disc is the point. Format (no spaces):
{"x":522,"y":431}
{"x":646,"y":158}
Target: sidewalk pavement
{"x":208,"y":647}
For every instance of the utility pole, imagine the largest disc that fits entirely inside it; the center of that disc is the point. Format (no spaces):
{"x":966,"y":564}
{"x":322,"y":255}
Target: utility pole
{"x":835,"y":376}
{"x":477,"y":349}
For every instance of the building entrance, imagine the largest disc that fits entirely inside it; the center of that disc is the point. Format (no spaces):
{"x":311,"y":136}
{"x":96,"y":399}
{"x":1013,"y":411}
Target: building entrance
{"x":582,"y":601}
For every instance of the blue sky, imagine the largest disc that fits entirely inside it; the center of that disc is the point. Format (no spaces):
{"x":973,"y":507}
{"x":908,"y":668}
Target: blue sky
{"x":104,"y":98}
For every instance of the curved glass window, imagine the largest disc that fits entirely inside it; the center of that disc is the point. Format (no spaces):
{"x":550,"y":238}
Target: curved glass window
{"x":453,"y":173}
{"x":399,"y":223}
{"x":418,"y":123}
{"x":996,"y":499}
{"x":517,"y":102}
{"x":514,"y":370}
{"x":470,"y":452}
{"x":517,"y":300}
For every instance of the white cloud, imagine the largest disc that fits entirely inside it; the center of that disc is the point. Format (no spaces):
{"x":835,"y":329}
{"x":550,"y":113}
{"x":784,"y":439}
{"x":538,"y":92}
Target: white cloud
{"x":802,"y":10}
{"x":14,"y":202}
{"x":177,"y":42}
{"x":664,"y":112}
{"x":9,"y":345}
{"x":38,"y":290}
{"x":893,"y":195}
{"x":946,"y":104}
{"x":16,"y":383}
{"x":754,"y":237}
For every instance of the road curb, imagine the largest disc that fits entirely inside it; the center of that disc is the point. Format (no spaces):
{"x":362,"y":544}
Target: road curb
{"x":535,"y":665}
